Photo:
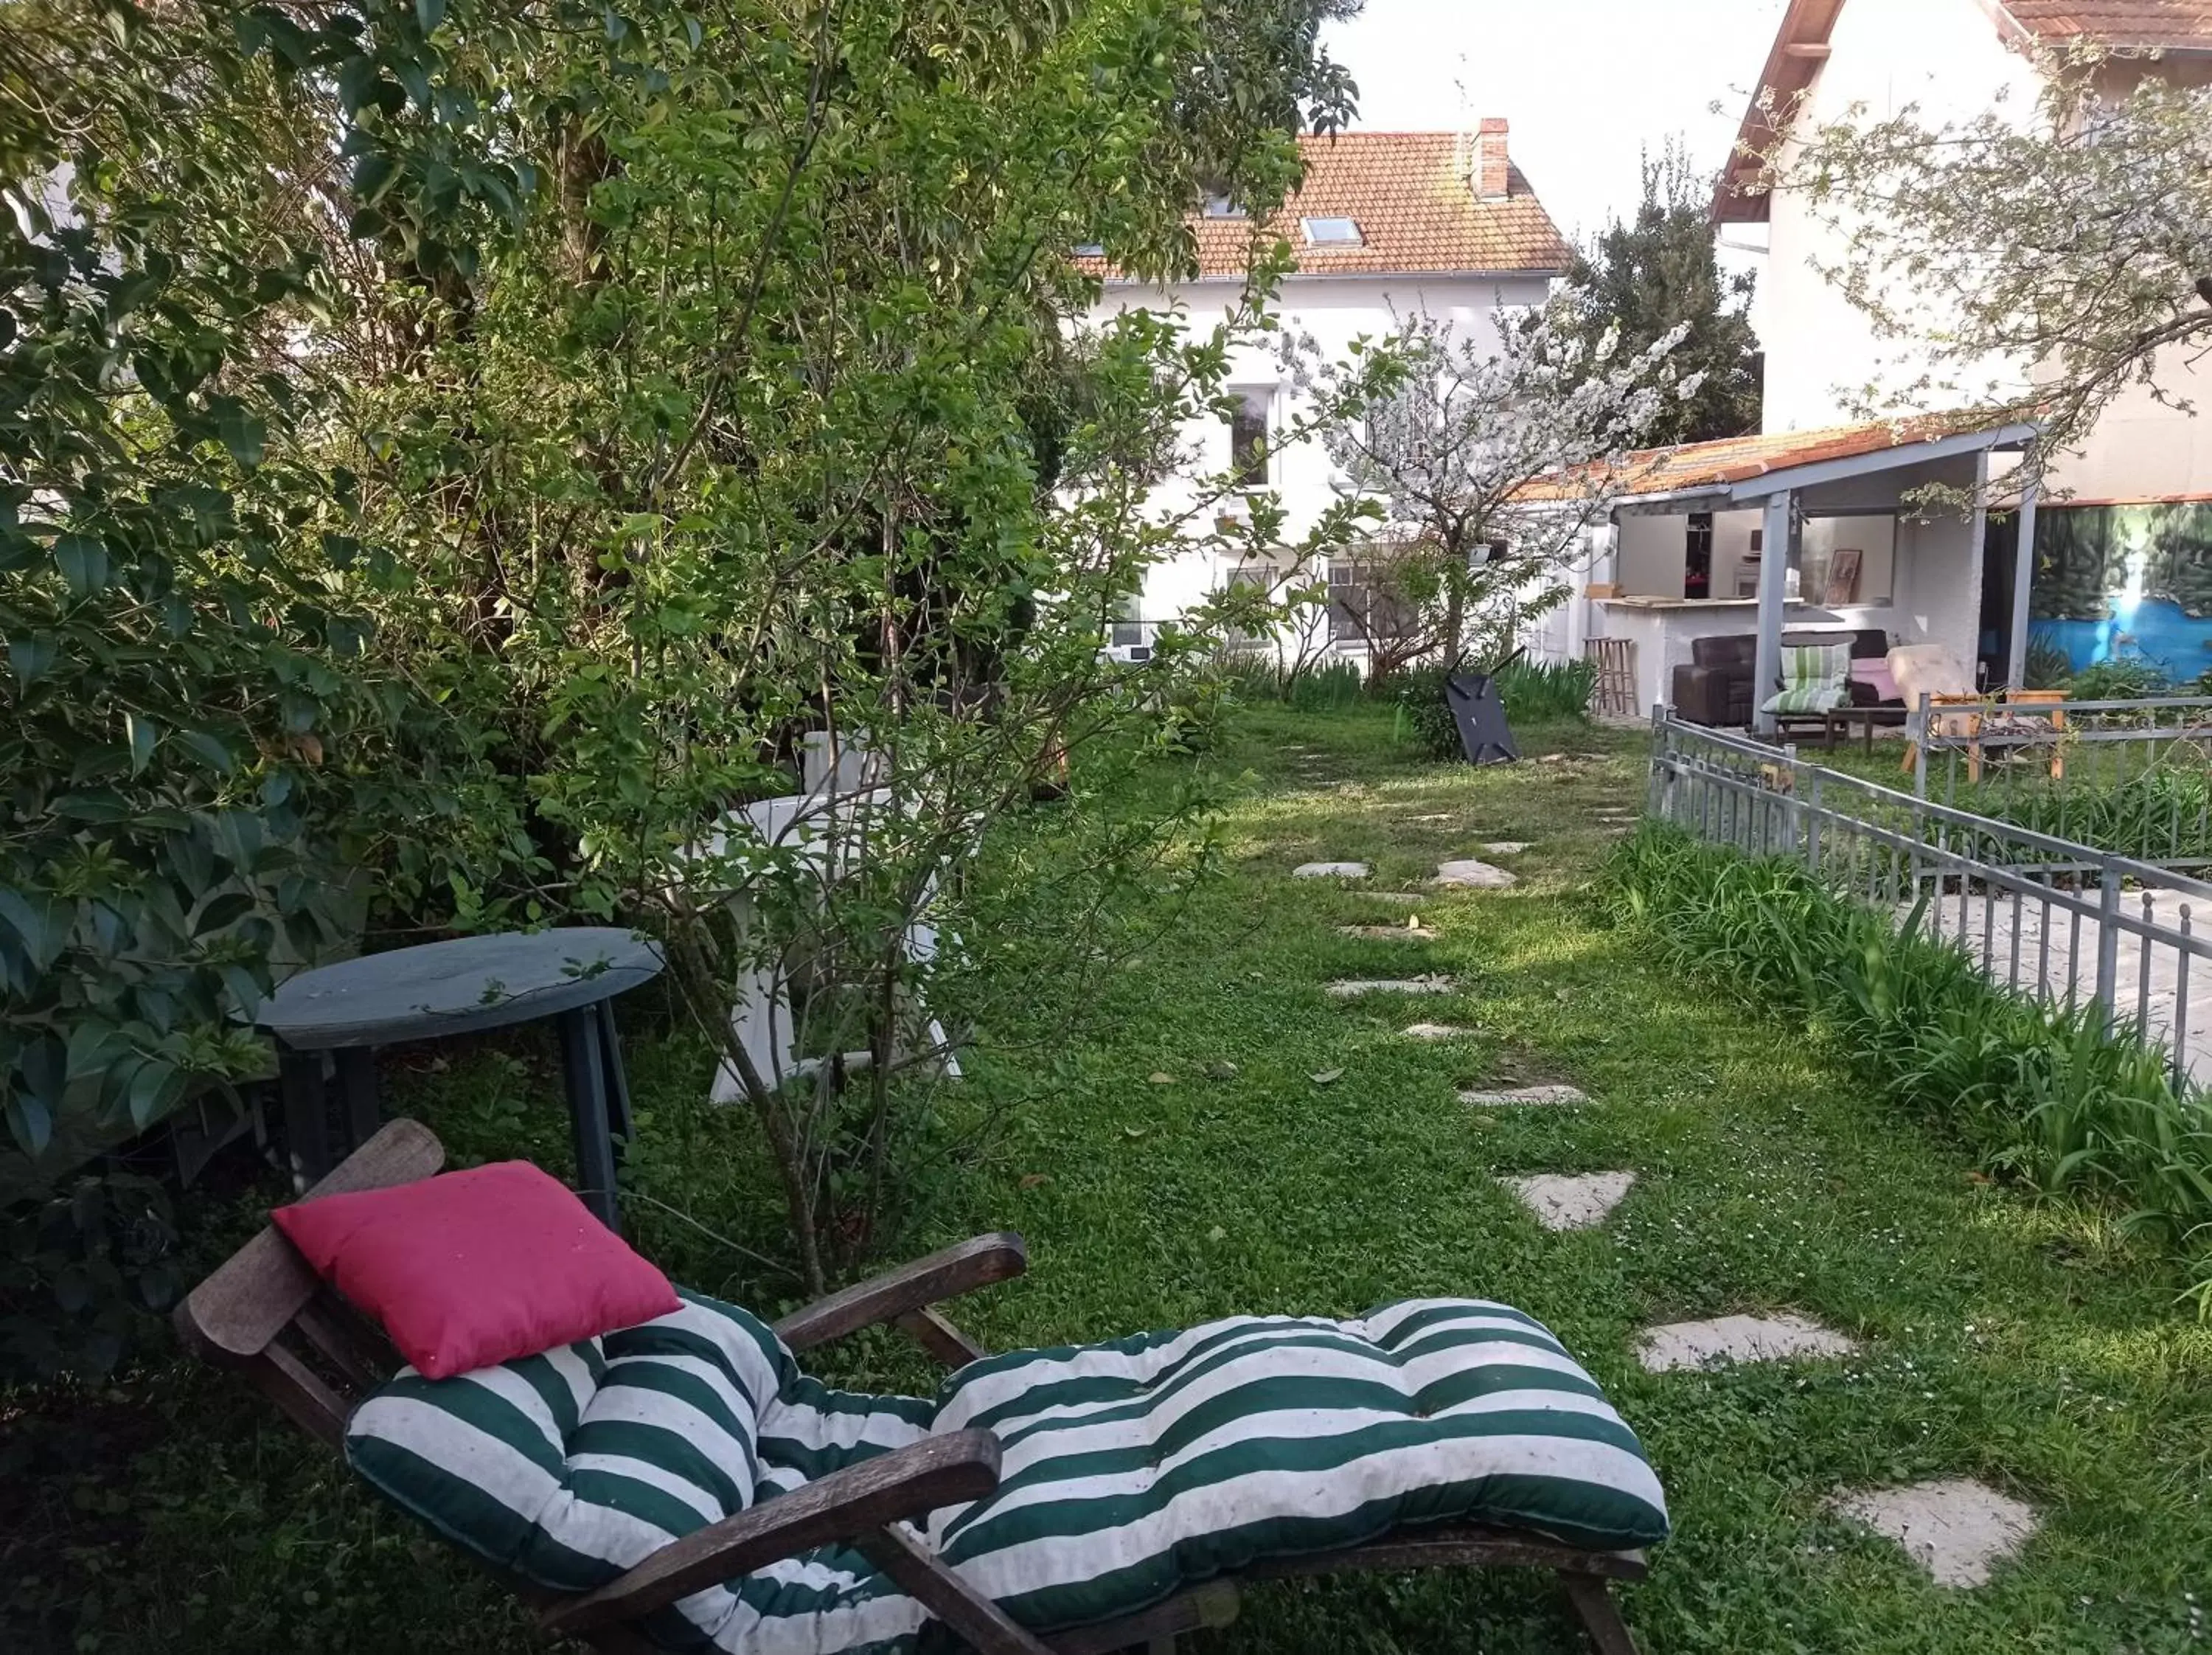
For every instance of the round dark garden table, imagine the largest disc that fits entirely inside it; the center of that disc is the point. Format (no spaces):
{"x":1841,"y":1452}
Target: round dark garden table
{"x":343,"y":1013}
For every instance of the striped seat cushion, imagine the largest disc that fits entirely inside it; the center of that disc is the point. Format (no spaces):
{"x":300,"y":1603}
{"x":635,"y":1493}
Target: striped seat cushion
{"x":1816,"y":678}
{"x":1131,"y":1470}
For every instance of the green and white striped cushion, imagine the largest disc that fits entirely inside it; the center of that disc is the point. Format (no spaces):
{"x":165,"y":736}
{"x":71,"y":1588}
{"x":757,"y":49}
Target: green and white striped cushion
{"x":1816,"y":678}
{"x":1131,"y":1470}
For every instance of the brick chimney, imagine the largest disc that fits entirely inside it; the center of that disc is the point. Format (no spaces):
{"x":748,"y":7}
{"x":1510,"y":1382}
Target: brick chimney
{"x":1491,"y":179}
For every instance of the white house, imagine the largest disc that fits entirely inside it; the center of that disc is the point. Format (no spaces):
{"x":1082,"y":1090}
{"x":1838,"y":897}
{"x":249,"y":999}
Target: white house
{"x":2123,"y":540}
{"x":1386,"y":224}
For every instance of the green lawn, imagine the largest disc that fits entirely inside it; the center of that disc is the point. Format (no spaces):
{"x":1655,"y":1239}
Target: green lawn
{"x":2027,"y":1346}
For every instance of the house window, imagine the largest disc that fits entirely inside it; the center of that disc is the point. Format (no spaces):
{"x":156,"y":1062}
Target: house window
{"x":1129,"y":627}
{"x":1223,"y":206}
{"x":1697,"y":556}
{"x":1347,"y":605}
{"x":1331,"y":232}
{"x":1091,"y":250}
{"x":1248,"y":437}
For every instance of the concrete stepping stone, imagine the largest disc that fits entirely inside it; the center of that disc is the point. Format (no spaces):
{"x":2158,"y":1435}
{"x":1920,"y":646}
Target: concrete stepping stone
{"x":1956,"y":1529}
{"x":1435,"y":1032}
{"x":1358,"y":987}
{"x":1737,"y":1339}
{"x":1474,"y":876}
{"x":1516,"y":1095}
{"x":1506,"y":847}
{"x":1389,"y":933}
{"x":1400,"y":897}
{"x":1564,"y":1202}
{"x":1331,"y":871}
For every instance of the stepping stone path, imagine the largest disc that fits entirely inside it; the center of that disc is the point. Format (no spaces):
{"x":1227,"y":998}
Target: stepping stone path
{"x":1506,"y":847}
{"x":1474,"y":876}
{"x":1563,"y":1202}
{"x":1955,"y":1529}
{"x":1419,"y":985}
{"x":1550,"y":1094}
{"x":1737,"y":1339}
{"x":1331,"y":871}
{"x":1398,"y":895}
{"x":1389,"y":933}
{"x":1434,"y":1031}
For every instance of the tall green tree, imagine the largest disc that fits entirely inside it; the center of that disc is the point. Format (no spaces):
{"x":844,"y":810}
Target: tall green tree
{"x":1647,"y":278}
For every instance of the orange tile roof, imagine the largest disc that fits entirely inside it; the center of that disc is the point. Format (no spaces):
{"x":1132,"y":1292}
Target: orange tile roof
{"x":1741,"y":459}
{"x":1408,"y":194}
{"x":1801,"y":47}
{"x":2124,"y":25}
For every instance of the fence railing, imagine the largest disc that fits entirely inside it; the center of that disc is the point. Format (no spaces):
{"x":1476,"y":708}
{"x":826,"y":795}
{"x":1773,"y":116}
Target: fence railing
{"x":2132,"y":777}
{"x":2060,"y":920}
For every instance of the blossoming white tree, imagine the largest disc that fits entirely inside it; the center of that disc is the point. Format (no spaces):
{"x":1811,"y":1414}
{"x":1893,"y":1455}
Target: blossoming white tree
{"x":1488,"y":461}
{"x":2029,"y":262}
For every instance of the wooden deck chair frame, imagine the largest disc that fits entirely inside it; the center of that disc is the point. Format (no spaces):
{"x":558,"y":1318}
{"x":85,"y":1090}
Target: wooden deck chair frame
{"x":265,"y":1312}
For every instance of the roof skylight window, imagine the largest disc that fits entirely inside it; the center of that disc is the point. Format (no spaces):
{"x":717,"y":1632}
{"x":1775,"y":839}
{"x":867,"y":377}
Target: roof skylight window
{"x":1332,"y":233}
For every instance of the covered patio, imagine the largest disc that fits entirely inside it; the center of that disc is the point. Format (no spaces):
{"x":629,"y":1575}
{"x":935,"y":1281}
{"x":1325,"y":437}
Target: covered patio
{"x":1883,"y":529}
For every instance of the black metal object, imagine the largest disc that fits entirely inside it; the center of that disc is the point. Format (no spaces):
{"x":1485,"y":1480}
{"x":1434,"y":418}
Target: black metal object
{"x":1479,"y":712}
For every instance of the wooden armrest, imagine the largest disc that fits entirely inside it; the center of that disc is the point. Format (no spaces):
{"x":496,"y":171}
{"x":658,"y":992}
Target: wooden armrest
{"x":909,"y":1289}
{"x":909,"y":1482}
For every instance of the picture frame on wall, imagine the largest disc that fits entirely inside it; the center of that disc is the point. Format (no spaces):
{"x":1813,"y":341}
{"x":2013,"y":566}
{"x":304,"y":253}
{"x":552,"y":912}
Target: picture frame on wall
{"x":1843,"y":575}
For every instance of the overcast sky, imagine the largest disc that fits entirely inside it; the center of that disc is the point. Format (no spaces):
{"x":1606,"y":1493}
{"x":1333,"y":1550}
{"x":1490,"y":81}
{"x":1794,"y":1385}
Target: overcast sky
{"x":1587,"y":84}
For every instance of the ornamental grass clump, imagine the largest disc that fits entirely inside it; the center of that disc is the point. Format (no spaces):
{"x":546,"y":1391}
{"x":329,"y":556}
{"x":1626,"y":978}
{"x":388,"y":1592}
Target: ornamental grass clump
{"x":2050,"y":1096}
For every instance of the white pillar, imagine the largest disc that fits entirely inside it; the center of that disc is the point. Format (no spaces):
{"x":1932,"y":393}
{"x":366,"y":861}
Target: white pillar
{"x":1773,"y":582}
{"x":2023,"y":578}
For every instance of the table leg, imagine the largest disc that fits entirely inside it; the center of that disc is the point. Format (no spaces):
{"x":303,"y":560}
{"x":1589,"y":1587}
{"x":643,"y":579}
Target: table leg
{"x":306,"y":1134}
{"x":356,"y":1067}
{"x":583,"y":1070}
{"x":618,"y":1117}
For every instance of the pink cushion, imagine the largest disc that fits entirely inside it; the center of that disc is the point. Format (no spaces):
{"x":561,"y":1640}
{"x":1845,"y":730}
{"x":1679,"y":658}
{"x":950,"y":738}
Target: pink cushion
{"x":470,"y":1268}
{"x":1877,"y":676}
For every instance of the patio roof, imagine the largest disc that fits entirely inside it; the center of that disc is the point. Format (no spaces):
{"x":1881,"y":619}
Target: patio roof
{"x":1741,"y":471}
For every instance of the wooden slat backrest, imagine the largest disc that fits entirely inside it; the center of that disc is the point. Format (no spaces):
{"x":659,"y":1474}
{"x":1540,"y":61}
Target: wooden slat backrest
{"x":256,"y":1293}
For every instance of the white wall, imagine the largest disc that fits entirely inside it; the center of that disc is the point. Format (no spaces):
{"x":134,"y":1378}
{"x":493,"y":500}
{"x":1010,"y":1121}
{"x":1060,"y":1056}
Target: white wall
{"x":1335,"y":311}
{"x":1946,"y":58}
{"x":1653,"y":555}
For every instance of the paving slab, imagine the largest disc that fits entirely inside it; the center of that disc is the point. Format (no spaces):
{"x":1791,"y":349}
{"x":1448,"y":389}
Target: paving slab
{"x":1435,"y":1032}
{"x":1506,"y":847}
{"x":1357,"y":988}
{"x":1399,"y":897}
{"x":1737,"y":1339}
{"x":1389,"y":933}
{"x":1474,"y":876}
{"x":1515,"y":1095}
{"x":1562,"y":1202}
{"x":1331,"y":871}
{"x":1956,"y":1529}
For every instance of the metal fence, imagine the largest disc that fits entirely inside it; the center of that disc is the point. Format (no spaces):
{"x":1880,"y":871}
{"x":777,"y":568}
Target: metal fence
{"x":2132,"y":776}
{"x":2062,"y":922}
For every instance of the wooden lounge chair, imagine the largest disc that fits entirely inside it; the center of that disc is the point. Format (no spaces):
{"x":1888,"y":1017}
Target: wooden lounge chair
{"x":265,"y":1312}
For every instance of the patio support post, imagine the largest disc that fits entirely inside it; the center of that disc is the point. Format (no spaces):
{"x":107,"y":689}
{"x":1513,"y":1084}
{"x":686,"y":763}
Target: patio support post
{"x":2023,"y":577}
{"x":1773,"y":578}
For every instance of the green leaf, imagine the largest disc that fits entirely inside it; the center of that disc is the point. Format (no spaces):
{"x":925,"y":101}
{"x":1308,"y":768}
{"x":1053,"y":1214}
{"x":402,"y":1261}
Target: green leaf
{"x":221,"y":911}
{"x":143,"y":733}
{"x":430,"y":14}
{"x":150,"y":1088}
{"x":32,"y":658}
{"x":84,"y":564}
{"x":209,"y":751}
{"x":42,"y":926}
{"x":356,"y":80}
{"x":31,"y":1123}
{"x":245,"y":436}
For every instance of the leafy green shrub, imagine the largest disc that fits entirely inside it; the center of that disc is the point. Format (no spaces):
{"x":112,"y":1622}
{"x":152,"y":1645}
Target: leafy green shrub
{"x":78,"y":1267}
{"x":2158,"y":816}
{"x":2048,"y":1095}
{"x":2120,"y":680}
